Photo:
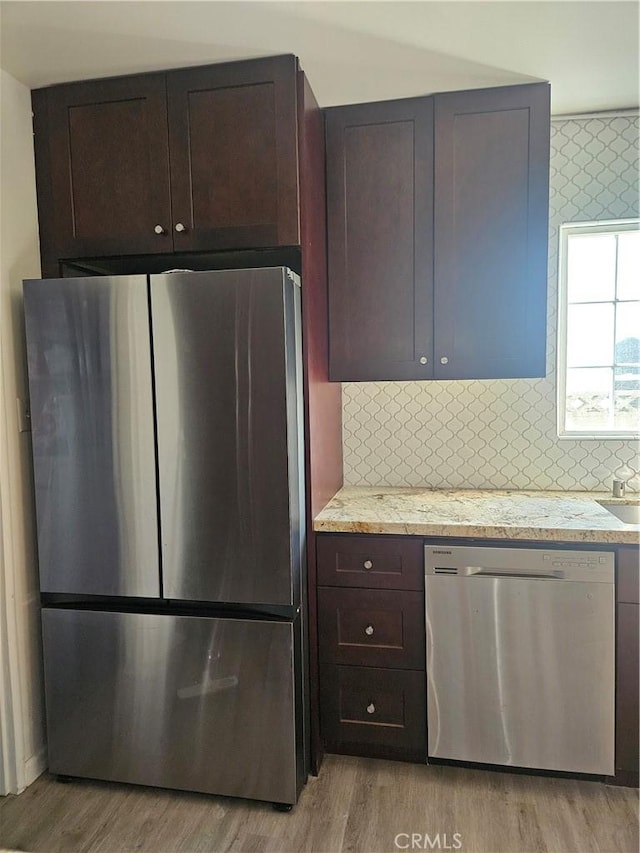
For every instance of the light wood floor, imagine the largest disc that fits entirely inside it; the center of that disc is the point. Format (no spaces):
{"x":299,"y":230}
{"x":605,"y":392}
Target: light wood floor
{"x":355,"y":805}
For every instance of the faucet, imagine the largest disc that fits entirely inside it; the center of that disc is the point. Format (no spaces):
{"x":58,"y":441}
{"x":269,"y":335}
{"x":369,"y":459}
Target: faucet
{"x":618,"y":488}
{"x":625,"y":478}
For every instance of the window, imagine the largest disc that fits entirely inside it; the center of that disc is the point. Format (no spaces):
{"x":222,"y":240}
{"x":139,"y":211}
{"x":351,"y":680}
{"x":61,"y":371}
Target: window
{"x":599,"y":330}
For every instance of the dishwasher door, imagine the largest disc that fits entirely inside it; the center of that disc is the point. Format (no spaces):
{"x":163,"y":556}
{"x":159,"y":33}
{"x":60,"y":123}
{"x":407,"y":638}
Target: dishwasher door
{"x":520,"y":657}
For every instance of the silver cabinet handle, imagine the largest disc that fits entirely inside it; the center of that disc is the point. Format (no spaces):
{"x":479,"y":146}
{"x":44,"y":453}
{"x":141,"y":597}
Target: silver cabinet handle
{"x":424,"y":359}
{"x":444,"y":360}
{"x":180,"y":227}
{"x":369,"y":630}
{"x":371,"y":708}
{"x":159,"y":229}
{"x":368,"y":564}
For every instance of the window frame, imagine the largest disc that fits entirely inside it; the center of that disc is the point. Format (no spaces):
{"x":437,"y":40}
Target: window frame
{"x":567,"y":229}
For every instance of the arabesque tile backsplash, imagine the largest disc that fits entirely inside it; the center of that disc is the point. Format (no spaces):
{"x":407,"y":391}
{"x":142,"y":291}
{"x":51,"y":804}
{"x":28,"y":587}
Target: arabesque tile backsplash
{"x":502,"y":434}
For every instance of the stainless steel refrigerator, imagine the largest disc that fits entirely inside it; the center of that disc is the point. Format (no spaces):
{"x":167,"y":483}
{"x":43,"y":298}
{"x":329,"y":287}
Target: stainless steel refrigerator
{"x":167,"y":443}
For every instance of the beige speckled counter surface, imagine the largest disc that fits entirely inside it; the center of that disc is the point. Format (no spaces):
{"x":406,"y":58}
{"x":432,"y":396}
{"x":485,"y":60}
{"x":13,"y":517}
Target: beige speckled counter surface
{"x":543,"y":516}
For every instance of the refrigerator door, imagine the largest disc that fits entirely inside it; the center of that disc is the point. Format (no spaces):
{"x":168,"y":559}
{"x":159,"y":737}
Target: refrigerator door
{"x":227,"y":363}
{"x":89,"y":360}
{"x":195,"y":703}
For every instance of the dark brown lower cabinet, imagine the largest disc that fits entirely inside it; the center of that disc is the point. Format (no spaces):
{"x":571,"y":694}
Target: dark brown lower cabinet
{"x":627,"y":664}
{"x":372,"y":646}
{"x":375,"y":712}
{"x":372,"y":650}
{"x":627,"y":687}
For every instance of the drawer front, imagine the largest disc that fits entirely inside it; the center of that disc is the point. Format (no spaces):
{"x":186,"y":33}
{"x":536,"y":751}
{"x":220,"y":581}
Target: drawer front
{"x":141,"y":698}
{"x":375,"y":627}
{"x":376,"y":562}
{"x":628,"y":575}
{"x":374,"y":711}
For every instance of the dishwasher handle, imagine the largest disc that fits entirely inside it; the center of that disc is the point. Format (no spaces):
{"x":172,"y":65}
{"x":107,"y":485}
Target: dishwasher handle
{"x":464,"y":561}
{"x":479,"y":571}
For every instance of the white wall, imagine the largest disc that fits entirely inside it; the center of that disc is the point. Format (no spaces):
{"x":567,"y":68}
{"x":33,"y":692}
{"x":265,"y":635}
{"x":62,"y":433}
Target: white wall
{"x":22,"y":736}
{"x":502,"y":434}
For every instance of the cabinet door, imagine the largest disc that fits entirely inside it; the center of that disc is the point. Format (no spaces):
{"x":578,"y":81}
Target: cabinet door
{"x":102,"y":164}
{"x":491,"y":221}
{"x":627,"y":667}
{"x":379,"y":211}
{"x":234,"y":168}
{"x":627,"y":690}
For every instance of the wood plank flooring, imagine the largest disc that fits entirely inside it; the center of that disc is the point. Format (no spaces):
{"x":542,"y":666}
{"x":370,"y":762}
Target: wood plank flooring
{"x":356,"y":805}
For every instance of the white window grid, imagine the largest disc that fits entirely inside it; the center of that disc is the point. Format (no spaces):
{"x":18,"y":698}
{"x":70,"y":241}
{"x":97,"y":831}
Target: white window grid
{"x":612,"y":226}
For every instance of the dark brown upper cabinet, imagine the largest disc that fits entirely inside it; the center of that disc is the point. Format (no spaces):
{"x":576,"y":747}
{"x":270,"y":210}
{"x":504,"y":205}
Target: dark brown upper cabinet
{"x":437,"y":236}
{"x":195,"y":159}
{"x":233,"y":145}
{"x":491,"y":231}
{"x":379,"y":228}
{"x":102,"y":168}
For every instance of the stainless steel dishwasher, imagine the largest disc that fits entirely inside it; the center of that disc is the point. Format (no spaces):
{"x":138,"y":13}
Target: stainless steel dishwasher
{"x":520,"y":657}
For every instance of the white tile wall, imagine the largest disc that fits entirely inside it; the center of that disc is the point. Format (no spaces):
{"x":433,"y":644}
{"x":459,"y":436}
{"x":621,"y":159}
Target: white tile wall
{"x":502,"y":434}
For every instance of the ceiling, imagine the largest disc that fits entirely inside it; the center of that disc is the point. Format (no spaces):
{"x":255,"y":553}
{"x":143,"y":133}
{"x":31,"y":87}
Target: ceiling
{"x":351,"y":51}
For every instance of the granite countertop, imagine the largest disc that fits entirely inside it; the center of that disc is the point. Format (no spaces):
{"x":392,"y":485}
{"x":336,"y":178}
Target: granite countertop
{"x":489,"y":514}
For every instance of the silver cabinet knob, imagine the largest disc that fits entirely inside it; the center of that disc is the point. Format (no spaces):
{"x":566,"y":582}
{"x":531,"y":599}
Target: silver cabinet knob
{"x":369,"y":630}
{"x":368,"y":564}
{"x":371,"y":708}
{"x":180,"y":227}
{"x":444,"y":360}
{"x":159,"y":229}
{"x":424,"y":359}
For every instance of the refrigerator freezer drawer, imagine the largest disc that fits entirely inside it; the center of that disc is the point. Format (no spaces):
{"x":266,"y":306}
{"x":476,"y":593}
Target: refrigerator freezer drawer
{"x":187,"y":702}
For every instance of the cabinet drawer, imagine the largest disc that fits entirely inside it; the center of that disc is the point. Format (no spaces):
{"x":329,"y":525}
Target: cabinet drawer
{"x":371,"y":627}
{"x":628,"y":575}
{"x":376,"y":562}
{"x":374,"y":711}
